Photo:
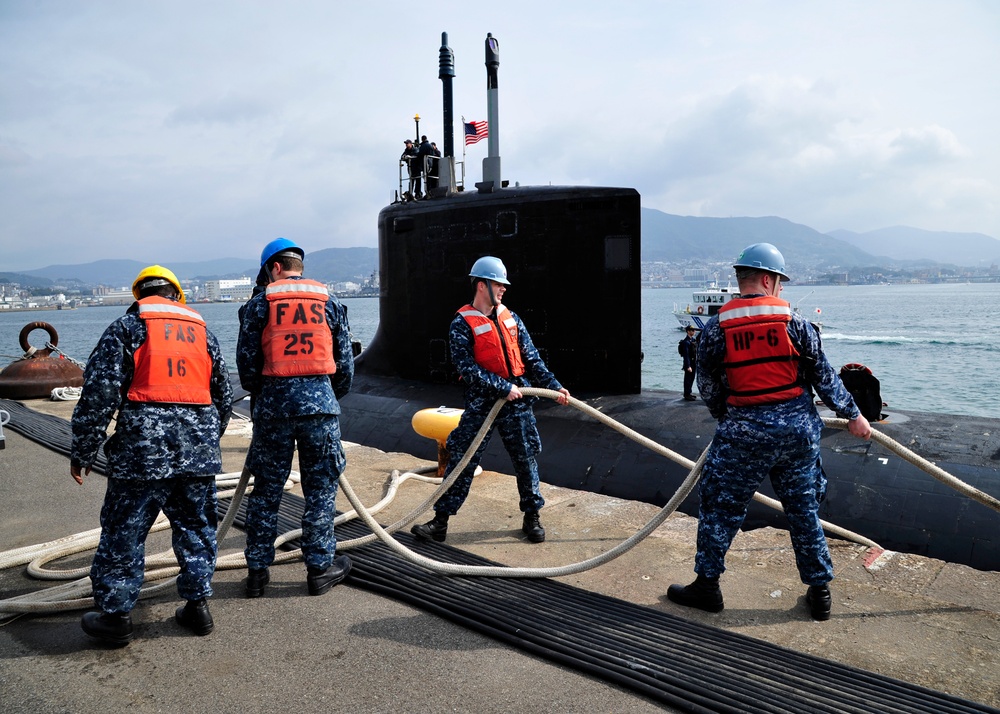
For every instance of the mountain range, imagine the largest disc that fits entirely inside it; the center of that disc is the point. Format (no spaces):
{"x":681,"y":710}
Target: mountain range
{"x":671,"y":238}
{"x":902,"y":243}
{"x":331,"y":265}
{"x":665,"y":238}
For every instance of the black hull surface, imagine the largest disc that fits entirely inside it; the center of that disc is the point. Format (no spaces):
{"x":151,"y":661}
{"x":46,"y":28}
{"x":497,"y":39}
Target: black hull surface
{"x":871,"y":491}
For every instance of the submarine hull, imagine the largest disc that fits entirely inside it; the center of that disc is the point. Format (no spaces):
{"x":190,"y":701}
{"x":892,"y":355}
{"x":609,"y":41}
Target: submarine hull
{"x":573,"y":260}
{"x":871,"y":490}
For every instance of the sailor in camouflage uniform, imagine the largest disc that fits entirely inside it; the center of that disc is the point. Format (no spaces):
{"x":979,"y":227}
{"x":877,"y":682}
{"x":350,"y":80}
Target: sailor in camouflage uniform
{"x":758,"y":362}
{"x":493,"y":353}
{"x":294,"y":356}
{"x":164,"y":373}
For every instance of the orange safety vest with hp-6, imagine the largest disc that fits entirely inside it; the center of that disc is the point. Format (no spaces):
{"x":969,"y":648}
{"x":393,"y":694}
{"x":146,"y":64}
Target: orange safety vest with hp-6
{"x":297,"y":340}
{"x":762,"y":364}
{"x":489,"y":345}
{"x":173,"y":365}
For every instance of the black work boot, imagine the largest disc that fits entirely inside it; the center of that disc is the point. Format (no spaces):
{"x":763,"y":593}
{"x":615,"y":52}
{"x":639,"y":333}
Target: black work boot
{"x":257,"y":580}
{"x":319,"y":581}
{"x":112,"y":628}
{"x":196,"y":617}
{"x":435,"y":529}
{"x":704,"y":594}
{"x":819,"y":600}
{"x":532,"y":528}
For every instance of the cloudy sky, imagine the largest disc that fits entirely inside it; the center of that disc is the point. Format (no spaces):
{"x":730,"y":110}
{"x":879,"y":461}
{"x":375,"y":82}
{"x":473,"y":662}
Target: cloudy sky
{"x":178,"y":130}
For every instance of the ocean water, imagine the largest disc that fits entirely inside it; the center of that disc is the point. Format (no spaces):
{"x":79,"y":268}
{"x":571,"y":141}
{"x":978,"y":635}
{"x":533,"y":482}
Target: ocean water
{"x":934,"y":348}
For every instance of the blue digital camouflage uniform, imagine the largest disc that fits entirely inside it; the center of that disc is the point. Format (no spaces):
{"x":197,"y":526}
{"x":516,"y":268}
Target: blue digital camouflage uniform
{"x":515,"y":421}
{"x":777,"y":440}
{"x":289,"y":411}
{"x":161,"y":456}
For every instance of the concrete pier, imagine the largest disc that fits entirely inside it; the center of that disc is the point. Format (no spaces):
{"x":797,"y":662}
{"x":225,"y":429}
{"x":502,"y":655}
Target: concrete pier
{"x":911,"y":618}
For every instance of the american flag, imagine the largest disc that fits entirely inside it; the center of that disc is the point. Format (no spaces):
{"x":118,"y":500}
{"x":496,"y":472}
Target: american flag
{"x":474,"y":131}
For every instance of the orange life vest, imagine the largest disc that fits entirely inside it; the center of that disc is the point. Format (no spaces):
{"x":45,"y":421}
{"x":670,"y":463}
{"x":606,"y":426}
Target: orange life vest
{"x":762,"y":364}
{"x":173,"y":365}
{"x":489,"y":345}
{"x":297,"y":341}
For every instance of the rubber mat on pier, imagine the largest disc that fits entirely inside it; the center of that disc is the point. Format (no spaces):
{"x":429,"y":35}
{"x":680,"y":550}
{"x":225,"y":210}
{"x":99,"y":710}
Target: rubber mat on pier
{"x":687,"y":665}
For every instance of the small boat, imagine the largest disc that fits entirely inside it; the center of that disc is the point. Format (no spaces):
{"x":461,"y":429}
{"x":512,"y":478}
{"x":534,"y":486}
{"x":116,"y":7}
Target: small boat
{"x":707,"y":302}
{"x":704,"y":304}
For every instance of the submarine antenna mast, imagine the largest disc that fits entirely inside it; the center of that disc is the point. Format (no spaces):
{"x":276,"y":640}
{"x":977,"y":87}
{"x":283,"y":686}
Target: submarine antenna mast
{"x":446,"y":72}
{"x":491,"y":164}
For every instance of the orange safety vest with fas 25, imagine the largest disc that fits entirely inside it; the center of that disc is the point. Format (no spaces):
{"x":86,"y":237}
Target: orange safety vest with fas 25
{"x":297,"y":340}
{"x":173,"y":365}
{"x":762,"y":364}
{"x":489,"y":345}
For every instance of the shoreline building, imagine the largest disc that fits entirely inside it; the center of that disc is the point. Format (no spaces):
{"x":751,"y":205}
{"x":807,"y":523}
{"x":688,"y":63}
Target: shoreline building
{"x":238,"y":290}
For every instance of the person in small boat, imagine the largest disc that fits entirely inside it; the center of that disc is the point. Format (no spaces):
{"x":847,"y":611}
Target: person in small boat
{"x":758,"y":364}
{"x":162,"y":370}
{"x":688,"y":350}
{"x":494,"y":355}
{"x":294,"y":356}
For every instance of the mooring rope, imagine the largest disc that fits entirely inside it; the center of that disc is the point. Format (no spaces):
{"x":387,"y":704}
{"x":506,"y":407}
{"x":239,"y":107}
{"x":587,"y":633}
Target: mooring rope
{"x":164,"y":566}
{"x":924,"y":465}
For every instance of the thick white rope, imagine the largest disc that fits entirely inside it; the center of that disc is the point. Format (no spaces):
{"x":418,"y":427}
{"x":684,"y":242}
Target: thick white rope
{"x":66,"y":394}
{"x":510,"y":572}
{"x":77,"y":594}
{"x":924,"y":465}
{"x":384,"y":534}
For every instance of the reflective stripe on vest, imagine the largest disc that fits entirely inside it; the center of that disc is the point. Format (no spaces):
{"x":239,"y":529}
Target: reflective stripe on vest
{"x":762,"y":364}
{"x":487,"y":350}
{"x":297,"y":341}
{"x":173,"y":365}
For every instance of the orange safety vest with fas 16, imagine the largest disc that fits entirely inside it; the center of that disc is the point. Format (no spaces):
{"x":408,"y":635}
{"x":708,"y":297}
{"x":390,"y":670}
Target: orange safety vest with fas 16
{"x":173,"y":365}
{"x":762,"y":364}
{"x":297,"y":340}
{"x":489,"y":345}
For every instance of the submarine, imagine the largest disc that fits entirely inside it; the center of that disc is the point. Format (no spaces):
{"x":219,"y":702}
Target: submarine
{"x":573,"y":256}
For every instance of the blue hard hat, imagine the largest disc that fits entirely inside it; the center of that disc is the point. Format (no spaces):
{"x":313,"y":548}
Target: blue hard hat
{"x":762,"y":256}
{"x":279,"y":245}
{"x":489,"y":268}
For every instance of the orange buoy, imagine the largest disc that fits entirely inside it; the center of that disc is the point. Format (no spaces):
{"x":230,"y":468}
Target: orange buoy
{"x":37,"y":373}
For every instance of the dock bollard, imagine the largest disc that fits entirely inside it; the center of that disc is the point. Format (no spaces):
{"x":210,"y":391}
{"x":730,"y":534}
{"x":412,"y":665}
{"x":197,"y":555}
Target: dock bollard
{"x":437,"y":424}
